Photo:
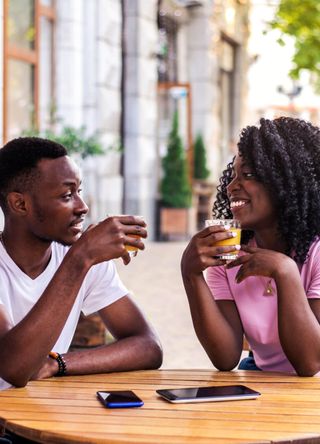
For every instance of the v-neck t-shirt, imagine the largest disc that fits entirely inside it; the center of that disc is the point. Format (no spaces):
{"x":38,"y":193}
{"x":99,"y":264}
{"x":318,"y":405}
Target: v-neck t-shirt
{"x":19,"y":293}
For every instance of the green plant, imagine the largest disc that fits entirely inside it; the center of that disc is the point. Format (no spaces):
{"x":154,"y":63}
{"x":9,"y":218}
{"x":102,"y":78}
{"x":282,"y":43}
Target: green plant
{"x":74,"y":139}
{"x":200,"y":159}
{"x":300,"y":19}
{"x":175,"y":186}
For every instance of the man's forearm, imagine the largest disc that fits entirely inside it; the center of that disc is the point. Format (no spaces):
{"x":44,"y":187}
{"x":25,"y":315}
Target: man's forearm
{"x":25,"y":346}
{"x":131,"y":353}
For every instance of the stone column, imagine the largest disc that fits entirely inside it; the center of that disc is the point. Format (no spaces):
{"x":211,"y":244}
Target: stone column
{"x":102,"y":103}
{"x":140,"y":109}
{"x":203,"y":75}
{"x":88,"y":52}
{"x":69,"y":57}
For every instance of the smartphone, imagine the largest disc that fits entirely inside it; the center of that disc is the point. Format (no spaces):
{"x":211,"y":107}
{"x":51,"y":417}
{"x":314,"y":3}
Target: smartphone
{"x":119,"y":399}
{"x":205,"y":394}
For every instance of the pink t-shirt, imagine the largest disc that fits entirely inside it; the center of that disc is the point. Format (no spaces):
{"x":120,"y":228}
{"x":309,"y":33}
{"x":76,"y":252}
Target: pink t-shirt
{"x":258,"y":311}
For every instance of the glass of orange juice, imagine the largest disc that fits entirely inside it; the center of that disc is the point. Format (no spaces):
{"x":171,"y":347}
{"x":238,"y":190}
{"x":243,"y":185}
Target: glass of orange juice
{"x":234,"y":226}
{"x":133,"y":251}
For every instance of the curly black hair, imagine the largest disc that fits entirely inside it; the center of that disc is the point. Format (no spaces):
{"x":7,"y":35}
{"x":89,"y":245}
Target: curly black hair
{"x":18,"y":161}
{"x":284,"y":155}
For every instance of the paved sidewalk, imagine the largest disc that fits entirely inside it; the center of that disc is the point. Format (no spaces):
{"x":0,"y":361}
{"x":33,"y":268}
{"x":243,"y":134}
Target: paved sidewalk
{"x":154,"y":278}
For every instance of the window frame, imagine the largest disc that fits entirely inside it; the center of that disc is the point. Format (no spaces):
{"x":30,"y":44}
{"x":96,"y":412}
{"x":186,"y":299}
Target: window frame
{"x":30,"y":56}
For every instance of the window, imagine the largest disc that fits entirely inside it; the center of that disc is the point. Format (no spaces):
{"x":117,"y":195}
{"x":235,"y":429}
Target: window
{"x":167,"y":48}
{"x":28,"y":46}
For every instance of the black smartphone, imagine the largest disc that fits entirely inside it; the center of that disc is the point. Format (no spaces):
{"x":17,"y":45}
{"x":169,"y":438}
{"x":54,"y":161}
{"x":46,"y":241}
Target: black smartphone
{"x":119,"y":399}
{"x":205,"y":394}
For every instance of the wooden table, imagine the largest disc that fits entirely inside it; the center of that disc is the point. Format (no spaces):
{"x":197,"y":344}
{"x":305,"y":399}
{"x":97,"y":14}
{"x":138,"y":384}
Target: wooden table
{"x":65,"y":410}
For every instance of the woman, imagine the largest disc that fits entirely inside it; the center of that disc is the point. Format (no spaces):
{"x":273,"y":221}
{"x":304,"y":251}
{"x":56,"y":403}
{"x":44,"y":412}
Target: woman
{"x":271,"y":292}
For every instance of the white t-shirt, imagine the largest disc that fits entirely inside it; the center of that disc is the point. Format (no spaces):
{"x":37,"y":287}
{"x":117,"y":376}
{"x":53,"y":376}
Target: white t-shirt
{"x":19,"y":293}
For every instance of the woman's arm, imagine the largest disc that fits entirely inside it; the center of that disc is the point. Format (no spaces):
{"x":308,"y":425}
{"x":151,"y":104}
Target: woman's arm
{"x":298,"y":318}
{"x":217,"y":325}
{"x":298,"y":321}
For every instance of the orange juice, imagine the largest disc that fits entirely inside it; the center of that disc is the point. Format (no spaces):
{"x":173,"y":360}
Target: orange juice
{"x":234,"y":226}
{"x":232,"y":240}
{"x":132,"y":250}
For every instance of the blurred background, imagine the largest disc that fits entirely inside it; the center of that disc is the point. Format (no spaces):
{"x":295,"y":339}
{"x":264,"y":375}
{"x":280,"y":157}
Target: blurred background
{"x":150,"y":96}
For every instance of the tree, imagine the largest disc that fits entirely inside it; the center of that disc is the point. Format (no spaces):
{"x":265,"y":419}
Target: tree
{"x":300,"y":19}
{"x":200,"y":159}
{"x":175,"y":187}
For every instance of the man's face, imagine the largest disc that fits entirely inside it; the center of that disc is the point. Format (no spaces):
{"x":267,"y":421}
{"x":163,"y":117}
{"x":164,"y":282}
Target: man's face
{"x":56,"y":210}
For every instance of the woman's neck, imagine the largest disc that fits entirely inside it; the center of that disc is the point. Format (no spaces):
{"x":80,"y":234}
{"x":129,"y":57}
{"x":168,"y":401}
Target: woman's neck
{"x":270,"y":240}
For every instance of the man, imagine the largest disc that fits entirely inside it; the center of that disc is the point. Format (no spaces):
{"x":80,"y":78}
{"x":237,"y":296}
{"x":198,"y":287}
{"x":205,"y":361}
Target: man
{"x":50,"y":271}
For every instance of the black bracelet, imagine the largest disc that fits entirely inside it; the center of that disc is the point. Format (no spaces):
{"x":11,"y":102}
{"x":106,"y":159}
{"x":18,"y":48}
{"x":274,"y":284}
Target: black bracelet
{"x":61,"y":363}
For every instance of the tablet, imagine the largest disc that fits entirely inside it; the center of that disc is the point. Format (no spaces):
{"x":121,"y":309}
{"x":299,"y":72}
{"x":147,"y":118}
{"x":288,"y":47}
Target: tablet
{"x":208,"y":394}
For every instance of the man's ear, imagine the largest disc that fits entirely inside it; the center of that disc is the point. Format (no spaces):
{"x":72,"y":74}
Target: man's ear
{"x":17,"y":203}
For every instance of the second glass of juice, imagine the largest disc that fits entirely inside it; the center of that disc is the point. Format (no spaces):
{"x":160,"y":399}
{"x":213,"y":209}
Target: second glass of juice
{"x":235,"y":226}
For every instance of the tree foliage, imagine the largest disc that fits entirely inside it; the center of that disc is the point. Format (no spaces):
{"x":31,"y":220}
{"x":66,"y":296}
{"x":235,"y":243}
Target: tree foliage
{"x":175,"y":187}
{"x":73,"y":139}
{"x":300,"y":19}
{"x":200,"y":159}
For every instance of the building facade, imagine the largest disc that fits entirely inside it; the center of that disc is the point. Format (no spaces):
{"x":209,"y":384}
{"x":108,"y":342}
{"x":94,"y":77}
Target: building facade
{"x":119,"y":68}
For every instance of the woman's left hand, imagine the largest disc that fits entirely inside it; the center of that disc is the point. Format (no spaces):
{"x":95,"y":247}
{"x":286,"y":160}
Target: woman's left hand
{"x":259,"y":262}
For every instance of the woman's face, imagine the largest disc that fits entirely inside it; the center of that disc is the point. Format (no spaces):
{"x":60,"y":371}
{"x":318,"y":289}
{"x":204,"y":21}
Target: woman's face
{"x":250,"y":201}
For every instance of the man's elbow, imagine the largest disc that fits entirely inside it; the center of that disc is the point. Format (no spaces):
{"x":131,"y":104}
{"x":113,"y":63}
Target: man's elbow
{"x":16,"y":380}
{"x":156,"y":354}
{"x":20,"y":383}
{"x":16,"y":374}
{"x":153,"y":352}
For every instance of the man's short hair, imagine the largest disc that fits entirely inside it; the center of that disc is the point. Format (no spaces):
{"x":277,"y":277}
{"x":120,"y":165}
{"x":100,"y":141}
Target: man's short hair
{"x":18,"y":163}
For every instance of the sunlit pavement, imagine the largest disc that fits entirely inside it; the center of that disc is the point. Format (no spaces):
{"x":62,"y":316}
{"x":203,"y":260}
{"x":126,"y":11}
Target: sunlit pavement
{"x":153,"y":277}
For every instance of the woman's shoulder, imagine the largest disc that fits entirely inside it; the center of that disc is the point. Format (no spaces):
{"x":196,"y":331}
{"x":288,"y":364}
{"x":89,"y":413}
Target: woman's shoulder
{"x":313,"y":254}
{"x":315,"y":247}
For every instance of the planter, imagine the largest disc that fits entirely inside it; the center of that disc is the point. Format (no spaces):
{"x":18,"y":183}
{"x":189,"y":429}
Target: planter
{"x":177,"y":223}
{"x":90,"y":332}
{"x":203,"y":196}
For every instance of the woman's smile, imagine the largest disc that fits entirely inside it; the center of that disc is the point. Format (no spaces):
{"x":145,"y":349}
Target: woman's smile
{"x":238,"y":204}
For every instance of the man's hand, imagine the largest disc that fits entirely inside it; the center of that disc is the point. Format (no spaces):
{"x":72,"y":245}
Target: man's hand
{"x":49,"y":368}
{"x":107,"y":239}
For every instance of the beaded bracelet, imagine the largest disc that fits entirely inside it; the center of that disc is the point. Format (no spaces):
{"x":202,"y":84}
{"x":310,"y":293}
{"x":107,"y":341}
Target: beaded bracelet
{"x":61,"y":363}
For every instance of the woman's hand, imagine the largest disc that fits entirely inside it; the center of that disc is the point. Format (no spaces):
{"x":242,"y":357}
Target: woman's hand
{"x":260,"y":262}
{"x":201,"y":251}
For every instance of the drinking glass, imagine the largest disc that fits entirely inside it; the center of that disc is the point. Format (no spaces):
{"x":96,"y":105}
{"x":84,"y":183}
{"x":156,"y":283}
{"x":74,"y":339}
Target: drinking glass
{"x":133,"y":251}
{"x":234,"y":226}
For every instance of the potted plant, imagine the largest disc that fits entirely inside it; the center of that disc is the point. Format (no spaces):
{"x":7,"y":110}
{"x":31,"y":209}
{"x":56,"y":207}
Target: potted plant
{"x":203,"y":189}
{"x":200,"y":170}
{"x":175,"y":188}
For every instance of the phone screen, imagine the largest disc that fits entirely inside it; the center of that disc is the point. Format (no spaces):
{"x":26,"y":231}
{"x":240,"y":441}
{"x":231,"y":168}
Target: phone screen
{"x":213,"y":393}
{"x":119,"y":399}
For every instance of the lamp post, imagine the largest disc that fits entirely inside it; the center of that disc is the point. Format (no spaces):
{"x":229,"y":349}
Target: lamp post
{"x":291,"y":94}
